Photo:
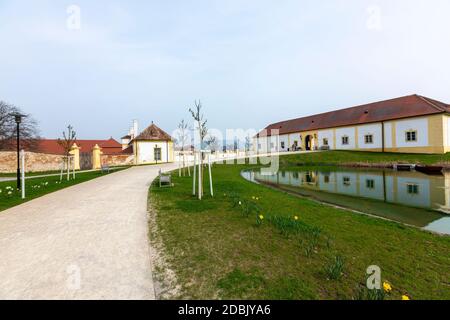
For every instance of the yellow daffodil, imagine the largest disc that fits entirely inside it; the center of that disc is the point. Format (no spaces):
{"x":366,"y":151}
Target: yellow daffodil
{"x":387,"y":287}
{"x":257,"y":199}
{"x":405,"y":297}
{"x":296,"y":218}
{"x":253,"y":197}
{"x":261,"y":217}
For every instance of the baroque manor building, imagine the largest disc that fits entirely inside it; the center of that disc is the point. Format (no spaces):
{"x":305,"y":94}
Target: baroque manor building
{"x":411,"y":124}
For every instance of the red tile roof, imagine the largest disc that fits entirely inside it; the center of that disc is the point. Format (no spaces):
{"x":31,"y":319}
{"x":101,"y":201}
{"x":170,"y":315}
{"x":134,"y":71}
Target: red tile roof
{"x":153,"y":133}
{"x":51,"y":146}
{"x":399,"y":108}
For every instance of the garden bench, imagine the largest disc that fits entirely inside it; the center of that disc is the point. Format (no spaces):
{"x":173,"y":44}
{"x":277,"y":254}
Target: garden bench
{"x":106,"y":168}
{"x":164,"y":179}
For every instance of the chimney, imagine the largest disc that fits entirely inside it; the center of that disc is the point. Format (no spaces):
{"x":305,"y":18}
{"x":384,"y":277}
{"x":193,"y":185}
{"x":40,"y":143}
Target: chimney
{"x":135,"y":128}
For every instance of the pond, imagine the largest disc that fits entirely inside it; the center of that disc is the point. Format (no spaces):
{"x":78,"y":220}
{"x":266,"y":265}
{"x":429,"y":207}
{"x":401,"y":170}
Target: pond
{"x":408,"y":197}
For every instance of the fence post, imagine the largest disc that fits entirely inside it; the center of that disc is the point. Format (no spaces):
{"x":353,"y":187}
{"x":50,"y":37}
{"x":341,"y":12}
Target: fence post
{"x":22,"y":153}
{"x":210,"y":175}
{"x":195,"y":174}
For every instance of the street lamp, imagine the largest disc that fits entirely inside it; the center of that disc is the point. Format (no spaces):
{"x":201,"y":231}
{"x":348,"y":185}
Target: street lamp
{"x":18,"y":118}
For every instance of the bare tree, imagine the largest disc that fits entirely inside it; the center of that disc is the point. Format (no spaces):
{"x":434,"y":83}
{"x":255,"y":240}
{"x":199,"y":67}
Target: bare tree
{"x":66,"y":143}
{"x":29,"y":133}
{"x":200,"y":121}
{"x":202,"y":132}
{"x":212,"y":143}
{"x":182,"y":134}
{"x":181,"y":142}
{"x":248,"y":143}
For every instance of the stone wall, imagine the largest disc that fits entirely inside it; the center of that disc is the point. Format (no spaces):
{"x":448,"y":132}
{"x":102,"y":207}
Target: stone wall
{"x":117,"y":159}
{"x":34,"y":162}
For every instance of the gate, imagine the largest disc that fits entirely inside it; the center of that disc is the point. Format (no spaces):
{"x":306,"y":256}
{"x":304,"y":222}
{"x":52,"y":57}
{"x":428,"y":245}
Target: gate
{"x":85,"y":160}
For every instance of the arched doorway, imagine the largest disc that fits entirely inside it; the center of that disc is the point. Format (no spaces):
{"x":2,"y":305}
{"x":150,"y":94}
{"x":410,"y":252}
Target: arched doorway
{"x":308,"y":142}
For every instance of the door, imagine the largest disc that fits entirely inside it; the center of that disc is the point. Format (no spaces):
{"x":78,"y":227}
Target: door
{"x":85,"y":160}
{"x":308,"y":142}
{"x":157,"y":152}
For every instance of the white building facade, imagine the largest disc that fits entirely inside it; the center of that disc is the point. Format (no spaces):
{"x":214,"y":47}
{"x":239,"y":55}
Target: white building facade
{"x":412,"y":124}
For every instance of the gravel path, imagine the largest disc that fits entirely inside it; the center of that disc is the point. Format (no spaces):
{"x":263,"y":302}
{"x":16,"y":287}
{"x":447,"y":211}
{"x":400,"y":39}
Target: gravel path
{"x":89,"y":241}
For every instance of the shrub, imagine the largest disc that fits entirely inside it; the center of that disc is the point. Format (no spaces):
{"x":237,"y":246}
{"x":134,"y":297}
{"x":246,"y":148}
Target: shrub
{"x":335,"y":269}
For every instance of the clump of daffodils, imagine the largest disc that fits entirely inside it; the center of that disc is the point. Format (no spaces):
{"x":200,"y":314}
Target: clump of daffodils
{"x":387,"y":287}
{"x":259,"y":219}
{"x":405,"y":297}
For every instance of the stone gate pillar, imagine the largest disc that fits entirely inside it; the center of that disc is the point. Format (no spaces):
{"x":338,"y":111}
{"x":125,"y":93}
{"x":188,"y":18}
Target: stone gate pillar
{"x":96,"y":157}
{"x":75,"y":151}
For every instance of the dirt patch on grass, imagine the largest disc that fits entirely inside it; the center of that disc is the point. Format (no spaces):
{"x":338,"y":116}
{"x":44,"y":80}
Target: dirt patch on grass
{"x":164,"y":278}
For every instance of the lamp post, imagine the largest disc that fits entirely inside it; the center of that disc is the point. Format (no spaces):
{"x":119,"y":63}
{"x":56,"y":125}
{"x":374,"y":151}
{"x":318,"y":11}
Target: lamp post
{"x":18,"y":118}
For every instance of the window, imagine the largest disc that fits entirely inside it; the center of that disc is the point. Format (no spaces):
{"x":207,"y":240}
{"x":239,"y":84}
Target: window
{"x":325,"y":141}
{"x":411,"y":136}
{"x":368,"y":138}
{"x":345,"y":140}
{"x":326,"y":179}
{"x":412,"y":188}
{"x":157,"y":154}
{"x":272,"y":145}
{"x":259,"y":146}
{"x":347,"y":181}
{"x":370,"y":184}
{"x":282,"y":144}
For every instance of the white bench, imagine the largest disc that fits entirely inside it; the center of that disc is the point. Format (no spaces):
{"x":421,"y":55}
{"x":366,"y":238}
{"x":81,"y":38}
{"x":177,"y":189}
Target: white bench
{"x":106,"y":168}
{"x":164,"y":179}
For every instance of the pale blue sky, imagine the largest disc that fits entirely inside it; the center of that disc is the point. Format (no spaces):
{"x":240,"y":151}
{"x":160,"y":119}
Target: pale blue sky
{"x":251,"y":62}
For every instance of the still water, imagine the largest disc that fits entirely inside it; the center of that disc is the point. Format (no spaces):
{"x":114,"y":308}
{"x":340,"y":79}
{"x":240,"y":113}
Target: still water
{"x":408,"y":197}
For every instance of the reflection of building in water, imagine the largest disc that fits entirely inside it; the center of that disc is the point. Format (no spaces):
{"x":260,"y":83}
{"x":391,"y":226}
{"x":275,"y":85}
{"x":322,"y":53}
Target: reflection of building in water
{"x":406,"y":188}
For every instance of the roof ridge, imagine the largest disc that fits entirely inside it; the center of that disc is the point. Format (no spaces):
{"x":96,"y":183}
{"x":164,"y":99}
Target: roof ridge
{"x":342,"y":109}
{"x":427,"y":100}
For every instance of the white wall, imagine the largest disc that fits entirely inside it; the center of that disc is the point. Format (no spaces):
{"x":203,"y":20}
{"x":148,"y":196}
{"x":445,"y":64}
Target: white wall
{"x":285,"y":139}
{"x":350,"y":132}
{"x":448,"y":131}
{"x":261,"y":145}
{"x":420,"y":125}
{"x":326,"y":134}
{"x":146,"y":153}
{"x":388,"y":135}
{"x":373,"y":129}
{"x":295,"y":137}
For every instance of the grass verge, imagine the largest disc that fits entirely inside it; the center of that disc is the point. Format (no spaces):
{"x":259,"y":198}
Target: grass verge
{"x":252,"y":242}
{"x":362,"y":158}
{"x":38,"y":187}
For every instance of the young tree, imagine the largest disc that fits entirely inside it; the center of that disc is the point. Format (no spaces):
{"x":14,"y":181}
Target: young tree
{"x":200,"y":122}
{"x":182,"y":140}
{"x":66,"y":143}
{"x":212,"y":143}
{"x":29,"y":133}
{"x":182,"y":134}
{"x":248,"y":144}
{"x":202,"y":132}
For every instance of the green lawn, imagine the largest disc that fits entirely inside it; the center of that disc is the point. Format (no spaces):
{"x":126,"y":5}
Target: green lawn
{"x":220,"y":249}
{"x":356,"y":157}
{"x":38,"y":187}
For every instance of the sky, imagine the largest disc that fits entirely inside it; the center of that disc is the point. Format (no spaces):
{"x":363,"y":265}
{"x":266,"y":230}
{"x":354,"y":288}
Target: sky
{"x":97,"y":65}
